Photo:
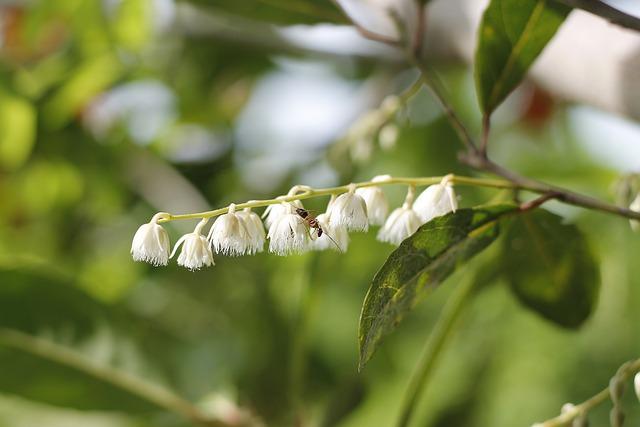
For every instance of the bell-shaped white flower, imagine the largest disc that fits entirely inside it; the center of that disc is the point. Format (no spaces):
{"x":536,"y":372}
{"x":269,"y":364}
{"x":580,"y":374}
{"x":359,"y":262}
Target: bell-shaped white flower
{"x":255,"y":230}
{"x":402,"y":223}
{"x":636,"y":385}
{"x":273,"y":212}
{"x":229,"y":234}
{"x":436,"y":200}
{"x":332,"y":237}
{"x":196,"y":251}
{"x":376,"y":201}
{"x":635,"y":206}
{"x":288,"y":234}
{"x":151,"y":242}
{"x":349,"y":210}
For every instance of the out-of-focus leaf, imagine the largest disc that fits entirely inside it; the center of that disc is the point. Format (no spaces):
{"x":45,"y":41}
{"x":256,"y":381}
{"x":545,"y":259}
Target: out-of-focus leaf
{"x":550,"y":268}
{"x":88,"y":80}
{"x":280,"y":11}
{"x":17,"y":131}
{"x":420,"y":263}
{"x":39,"y":310}
{"x":133,"y":22}
{"x":512,"y":34}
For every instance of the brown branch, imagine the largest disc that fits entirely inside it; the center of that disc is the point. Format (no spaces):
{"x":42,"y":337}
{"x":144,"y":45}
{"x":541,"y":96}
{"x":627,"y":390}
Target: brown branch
{"x":366,"y":33}
{"x":603,"y":10}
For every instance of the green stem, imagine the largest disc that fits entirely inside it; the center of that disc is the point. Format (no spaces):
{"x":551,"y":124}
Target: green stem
{"x":563,"y":419}
{"x":433,"y":347}
{"x":150,"y":392}
{"x":307,"y":193}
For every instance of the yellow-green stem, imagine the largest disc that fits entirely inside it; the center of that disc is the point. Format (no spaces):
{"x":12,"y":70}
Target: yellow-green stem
{"x":308,"y":193}
{"x":563,"y":419}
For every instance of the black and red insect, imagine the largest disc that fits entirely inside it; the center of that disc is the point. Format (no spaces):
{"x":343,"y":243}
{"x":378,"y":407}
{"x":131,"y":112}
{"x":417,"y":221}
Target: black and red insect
{"x":312,"y":222}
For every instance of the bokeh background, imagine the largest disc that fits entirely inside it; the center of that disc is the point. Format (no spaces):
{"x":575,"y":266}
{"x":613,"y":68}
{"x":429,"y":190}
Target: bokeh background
{"x":113,"y":110}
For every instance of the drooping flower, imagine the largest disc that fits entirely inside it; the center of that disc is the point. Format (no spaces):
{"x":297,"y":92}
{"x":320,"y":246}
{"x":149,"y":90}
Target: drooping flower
{"x":288,"y":234}
{"x":349,"y":210}
{"x":636,"y":384}
{"x":255,"y":230}
{"x":229,"y":234}
{"x":196,"y":250}
{"x":333,"y":237}
{"x":273,"y":212}
{"x":151,"y":242}
{"x":436,"y":200}
{"x":402,"y":223}
{"x":635,"y":206}
{"x":376,"y":201}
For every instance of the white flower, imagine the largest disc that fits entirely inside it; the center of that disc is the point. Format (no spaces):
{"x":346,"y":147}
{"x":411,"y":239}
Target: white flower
{"x":636,"y":385}
{"x":332,"y":237}
{"x":151,"y":242}
{"x":402,"y":223}
{"x":255,"y":230}
{"x":635,"y":206}
{"x":289,"y":233}
{"x":274,"y":212}
{"x":349,"y":210}
{"x":229,"y":234}
{"x":436,"y":200}
{"x":376,"y":201}
{"x":196,"y":251}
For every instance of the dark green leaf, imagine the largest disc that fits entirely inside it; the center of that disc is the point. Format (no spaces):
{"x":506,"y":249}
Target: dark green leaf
{"x":550,"y":268}
{"x":421,"y":263}
{"x":512,"y":34}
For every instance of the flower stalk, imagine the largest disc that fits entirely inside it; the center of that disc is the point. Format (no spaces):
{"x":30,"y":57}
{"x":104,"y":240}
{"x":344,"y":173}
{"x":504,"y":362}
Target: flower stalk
{"x":304,"y":192}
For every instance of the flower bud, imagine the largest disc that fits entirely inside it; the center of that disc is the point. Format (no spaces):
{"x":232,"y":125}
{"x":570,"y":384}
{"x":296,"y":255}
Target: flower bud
{"x":388,"y":136}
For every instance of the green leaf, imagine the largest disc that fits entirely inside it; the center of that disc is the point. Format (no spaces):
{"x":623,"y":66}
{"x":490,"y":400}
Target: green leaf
{"x":512,"y":34}
{"x":550,"y":268}
{"x":421,"y":263}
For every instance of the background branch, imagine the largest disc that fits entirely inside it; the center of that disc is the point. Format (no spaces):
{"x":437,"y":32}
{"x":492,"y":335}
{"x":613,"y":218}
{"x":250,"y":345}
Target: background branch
{"x":603,"y":10}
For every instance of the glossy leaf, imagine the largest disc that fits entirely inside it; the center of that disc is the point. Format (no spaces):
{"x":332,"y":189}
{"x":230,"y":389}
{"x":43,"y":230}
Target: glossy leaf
{"x":550,"y":268}
{"x":422,"y":262}
{"x":511,"y":36}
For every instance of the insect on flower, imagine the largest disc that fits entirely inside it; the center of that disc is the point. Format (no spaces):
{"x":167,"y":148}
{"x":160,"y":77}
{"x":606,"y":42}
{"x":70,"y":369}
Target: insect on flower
{"x":312,"y":222}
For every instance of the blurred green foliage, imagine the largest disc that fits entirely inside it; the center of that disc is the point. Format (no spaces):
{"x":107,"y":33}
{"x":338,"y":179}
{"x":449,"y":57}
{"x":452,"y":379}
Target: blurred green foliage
{"x":79,"y":171}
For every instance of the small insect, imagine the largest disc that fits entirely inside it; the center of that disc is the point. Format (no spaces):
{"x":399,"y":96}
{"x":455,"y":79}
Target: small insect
{"x":312,"y":222}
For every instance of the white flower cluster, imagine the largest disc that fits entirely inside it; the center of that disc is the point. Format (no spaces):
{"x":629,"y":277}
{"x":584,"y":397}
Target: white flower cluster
{"x":292,"y":229}
{"x":376,"y":122}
